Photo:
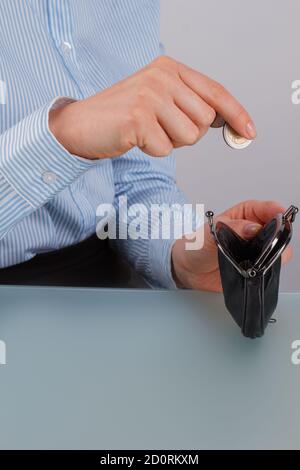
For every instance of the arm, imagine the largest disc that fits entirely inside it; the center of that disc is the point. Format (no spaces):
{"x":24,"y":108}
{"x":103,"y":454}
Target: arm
{"x":34,"y":167}
{"x":165,"y":105}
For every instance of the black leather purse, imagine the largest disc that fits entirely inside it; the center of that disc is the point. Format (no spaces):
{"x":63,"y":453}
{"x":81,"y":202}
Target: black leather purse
{"x":250,"y":270}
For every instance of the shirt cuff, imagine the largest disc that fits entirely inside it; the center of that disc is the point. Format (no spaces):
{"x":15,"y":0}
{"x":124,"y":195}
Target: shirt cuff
{"x":32,"y":160}
{"x":159,"y":270}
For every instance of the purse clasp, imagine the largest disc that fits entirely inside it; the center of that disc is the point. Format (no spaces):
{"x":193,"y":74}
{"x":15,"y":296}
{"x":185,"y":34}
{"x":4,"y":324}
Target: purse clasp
{"x":290,"y":214}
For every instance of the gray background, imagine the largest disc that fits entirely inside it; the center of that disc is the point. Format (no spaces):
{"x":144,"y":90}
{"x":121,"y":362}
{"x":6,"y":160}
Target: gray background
{"x":252,"y":48}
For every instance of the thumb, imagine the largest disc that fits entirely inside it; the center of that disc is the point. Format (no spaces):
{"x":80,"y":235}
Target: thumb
{"x":244,"y":228}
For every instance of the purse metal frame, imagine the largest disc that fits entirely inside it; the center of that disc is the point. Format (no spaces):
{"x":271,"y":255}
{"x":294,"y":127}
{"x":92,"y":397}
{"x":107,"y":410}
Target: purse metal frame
{"x":270,"y":254}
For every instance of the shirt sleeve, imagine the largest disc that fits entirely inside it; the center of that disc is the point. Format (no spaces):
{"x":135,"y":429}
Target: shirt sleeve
{"x":149,"y":181}
{"x":34,"y":166}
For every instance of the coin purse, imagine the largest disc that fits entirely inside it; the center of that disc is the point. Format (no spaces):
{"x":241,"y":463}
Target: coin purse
{"x":250,"y":270}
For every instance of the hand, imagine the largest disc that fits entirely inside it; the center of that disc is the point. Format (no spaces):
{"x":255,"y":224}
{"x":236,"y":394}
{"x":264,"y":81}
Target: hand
{"x":199,"y":269}
{"x":163,"y":106}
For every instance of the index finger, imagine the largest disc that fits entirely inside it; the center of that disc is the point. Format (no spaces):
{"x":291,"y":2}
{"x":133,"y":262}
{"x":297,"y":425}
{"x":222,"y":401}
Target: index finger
{"x":214,"y":94}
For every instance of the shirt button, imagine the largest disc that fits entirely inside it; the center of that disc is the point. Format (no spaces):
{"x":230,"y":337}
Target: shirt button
{"x":66,"y":47}
{"x":49,"y":177}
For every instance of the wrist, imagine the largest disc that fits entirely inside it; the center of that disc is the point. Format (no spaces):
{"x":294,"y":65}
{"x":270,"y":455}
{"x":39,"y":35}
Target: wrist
{"x":180,"y":265}
{"x":61,"y":125}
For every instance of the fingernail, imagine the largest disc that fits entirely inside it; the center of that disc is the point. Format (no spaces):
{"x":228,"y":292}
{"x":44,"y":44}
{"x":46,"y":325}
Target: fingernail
{"x":251,"y":229}
{"x":250,"y":129}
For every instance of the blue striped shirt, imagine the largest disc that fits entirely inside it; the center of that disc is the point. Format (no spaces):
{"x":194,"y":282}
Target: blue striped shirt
{"x":51,"y":49}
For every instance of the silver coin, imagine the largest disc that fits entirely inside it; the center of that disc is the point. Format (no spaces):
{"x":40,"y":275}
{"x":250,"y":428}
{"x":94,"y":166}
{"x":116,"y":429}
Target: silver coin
{"x":233,"y":139}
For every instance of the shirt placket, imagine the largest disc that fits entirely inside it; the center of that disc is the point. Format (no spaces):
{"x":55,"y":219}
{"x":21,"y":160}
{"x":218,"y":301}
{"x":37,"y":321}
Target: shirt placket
{"x":60,"y":20}
{"x":60,"y":25}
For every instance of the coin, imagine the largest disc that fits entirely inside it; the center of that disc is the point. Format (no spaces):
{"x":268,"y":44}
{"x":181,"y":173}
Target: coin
{"x":218,"y":122}
{"x":233,"y":139}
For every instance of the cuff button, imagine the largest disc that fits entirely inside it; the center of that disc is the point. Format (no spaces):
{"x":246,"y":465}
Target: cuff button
{"x":49,"y":177}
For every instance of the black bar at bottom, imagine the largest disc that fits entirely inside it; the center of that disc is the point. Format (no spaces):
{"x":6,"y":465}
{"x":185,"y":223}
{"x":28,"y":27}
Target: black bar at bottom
{"x":138,"y":459}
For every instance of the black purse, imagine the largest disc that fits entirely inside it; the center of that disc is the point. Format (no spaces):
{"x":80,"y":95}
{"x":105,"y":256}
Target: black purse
{"x":250,"y":270}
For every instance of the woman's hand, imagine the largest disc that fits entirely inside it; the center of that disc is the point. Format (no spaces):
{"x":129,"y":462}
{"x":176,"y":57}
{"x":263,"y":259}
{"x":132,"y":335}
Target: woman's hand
{"x":199,"y":269}
{"x":163,"y":106}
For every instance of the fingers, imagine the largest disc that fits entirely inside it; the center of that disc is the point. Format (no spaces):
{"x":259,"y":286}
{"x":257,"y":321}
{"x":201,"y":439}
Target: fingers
{"x":287,"y":255}
{"x":185,"y":102}
{"x":182,"y":126}
{"x":155,"y":142}
{"x":180,"y":129}
{"x":255,"y":211}
{"x":244,"y":228}
{"x":193,"y":106}
{"x":262,"y":210}
{"x":216,"y":96}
